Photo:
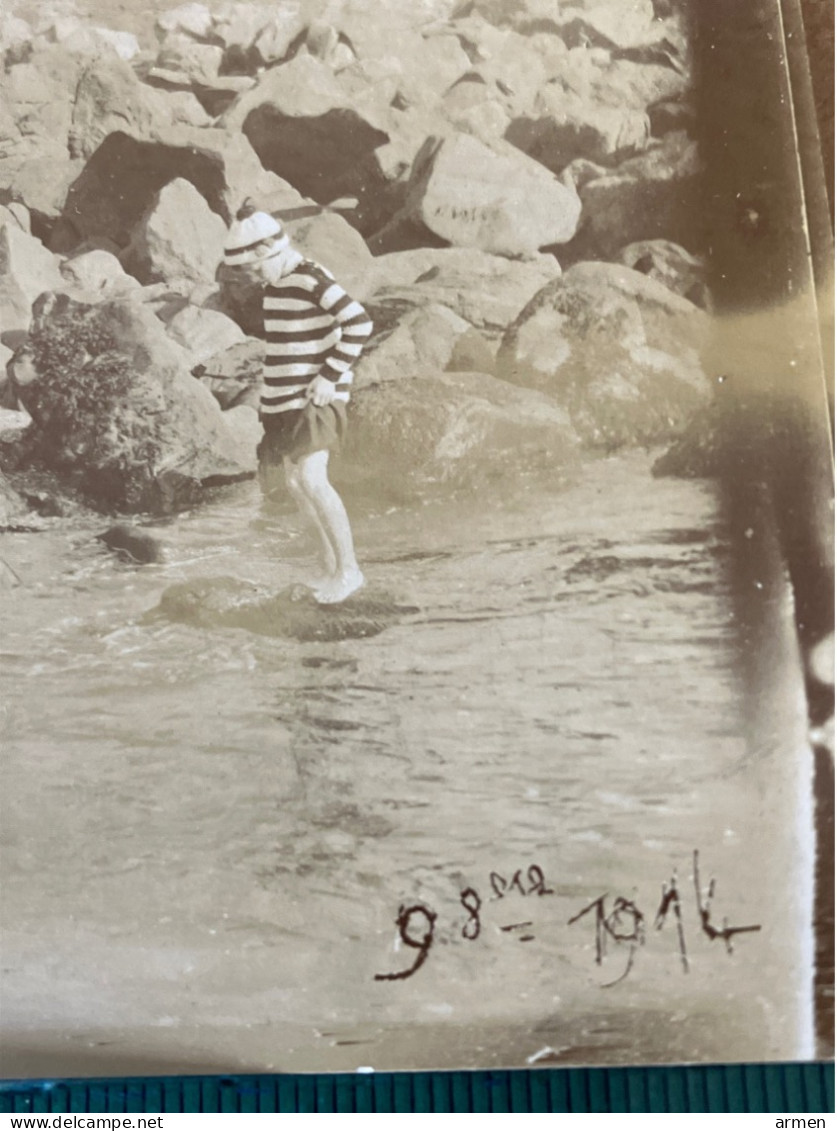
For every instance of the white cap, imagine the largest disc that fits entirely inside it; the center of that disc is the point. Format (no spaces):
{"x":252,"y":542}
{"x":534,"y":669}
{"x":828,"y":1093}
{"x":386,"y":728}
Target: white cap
{"x":253,"y":236}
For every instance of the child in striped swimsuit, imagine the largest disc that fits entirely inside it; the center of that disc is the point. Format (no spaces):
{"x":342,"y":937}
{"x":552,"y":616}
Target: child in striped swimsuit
{"x":314,"y":333}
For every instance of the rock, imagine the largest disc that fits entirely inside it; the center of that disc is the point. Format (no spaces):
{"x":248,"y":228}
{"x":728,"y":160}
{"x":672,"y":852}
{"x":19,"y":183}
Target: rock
{"x":452,"y":431}
{"x":564,"y":127}
{"x":488,"y":291}
{"x":498,"y":200}
{"x":670,"y":265}
{"x":115,"y":410}
{"x":15,"y":34}
{"x":110,"y":97}
{"x":120,"y":181}
{"x":42,"y":180}
{"x":329,"y":239}
{"x":94,"y":42}
{"x":203,"y":333}
{"x":619,"y":351}
{"x":423,"y":341}
{"x":273,"y":41}
{"x":243,"y":422}
{"x":472,"y":353}
{"x":234,"y":376}
{"x":671,"y":115}
{"x":13,"y":511}
{"x":16,"y":213}
{"x":605,"y":24}
{"x":178,"y":237}
{"x":600,"y":79}
{"x":97,"y":272}
{"x":237,"y":26}
{"x":198,"y":63}
{"x":26,"y":270}
{"x":653,"y":196}
{"x":132,"y":543}
{"x":188,"y":19}
{"x":305,"y":128}
{"x":226,"y":602}
{"x":214,"y":93}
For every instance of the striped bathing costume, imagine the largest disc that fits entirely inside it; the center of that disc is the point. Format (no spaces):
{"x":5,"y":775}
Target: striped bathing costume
{"x":312,"y":327}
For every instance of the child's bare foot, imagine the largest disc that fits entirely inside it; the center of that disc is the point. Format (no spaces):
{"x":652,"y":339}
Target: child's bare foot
{"x":338,"y":588}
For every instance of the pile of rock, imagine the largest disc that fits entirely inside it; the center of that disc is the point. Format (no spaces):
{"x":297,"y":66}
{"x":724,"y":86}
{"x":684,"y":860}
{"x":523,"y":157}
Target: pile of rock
{"x":485,"y":145}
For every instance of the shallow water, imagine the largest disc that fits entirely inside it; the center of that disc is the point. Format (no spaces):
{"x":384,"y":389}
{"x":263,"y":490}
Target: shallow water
{"x":209,"y":832}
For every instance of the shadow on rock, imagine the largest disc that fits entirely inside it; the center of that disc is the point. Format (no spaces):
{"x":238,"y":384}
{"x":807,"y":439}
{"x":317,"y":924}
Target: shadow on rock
{"x":226,"y":602}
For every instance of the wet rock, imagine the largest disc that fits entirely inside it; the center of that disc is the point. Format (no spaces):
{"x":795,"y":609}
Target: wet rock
{"x":13,"y":509}
{"x":670,"y":265}
{"x":97,"y":272}
{"x":203,"y":333}
{"x":305,"y":128}
{"x":461,"y":431}
{"x":226,"y":602}
{"x":618,"y":350}
{"x":234,"y":375}
{"x":178,"y":237}
{"x":423,"y":341}
{"x":653,"y":196}
{"x":120,"y":181}
{"x":115,"y":410}
{"x":489,"y":291}
{"x":242,"y":421}
{"x":473,"y":196}
{"x":26,"y":270}
{"x":132,"y":543}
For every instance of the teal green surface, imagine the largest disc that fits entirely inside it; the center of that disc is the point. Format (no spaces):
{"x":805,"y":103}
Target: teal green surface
{"x":719,"y":1088}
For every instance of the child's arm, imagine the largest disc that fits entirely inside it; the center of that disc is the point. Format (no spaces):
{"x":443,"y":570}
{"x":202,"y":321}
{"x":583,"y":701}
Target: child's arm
{"x":355,"y":327}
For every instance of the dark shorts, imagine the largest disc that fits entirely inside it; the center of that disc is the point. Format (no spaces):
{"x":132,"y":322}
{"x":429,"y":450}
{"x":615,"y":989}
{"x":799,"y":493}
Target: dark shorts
{"x":299,"y":432}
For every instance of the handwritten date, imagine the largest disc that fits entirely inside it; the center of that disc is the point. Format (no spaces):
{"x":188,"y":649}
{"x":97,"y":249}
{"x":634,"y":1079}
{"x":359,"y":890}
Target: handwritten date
{"x":617,"y":921}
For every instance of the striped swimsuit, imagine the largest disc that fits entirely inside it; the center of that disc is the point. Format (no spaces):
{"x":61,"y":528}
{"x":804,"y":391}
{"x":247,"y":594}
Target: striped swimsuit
{"x":312,"y":327}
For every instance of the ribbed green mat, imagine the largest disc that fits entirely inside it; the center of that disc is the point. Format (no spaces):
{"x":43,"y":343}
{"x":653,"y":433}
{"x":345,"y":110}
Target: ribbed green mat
{"x":722,"y":1088}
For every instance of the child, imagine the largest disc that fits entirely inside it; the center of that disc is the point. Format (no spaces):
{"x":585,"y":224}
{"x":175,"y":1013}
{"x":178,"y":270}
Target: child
{"x":314,"y":333}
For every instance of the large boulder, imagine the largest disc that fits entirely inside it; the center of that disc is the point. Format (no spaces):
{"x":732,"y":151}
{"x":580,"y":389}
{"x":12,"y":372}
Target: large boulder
{"x":488,"y":291}
{"x":26,"y":270}
{"x":203,"y":333}
{"x":493,"y":198}
{"x":618,"y":350}
{"x":423,"y":341}
{"x":234,"y":375}
{"x":453,"y":431}
{"x":110,"y":97}
{"x":563,"y":127}
{"x":305,"y":127}
{"x":179,"y":237}
{"x":120,"y":181}
{"x":329,"y":239}
{"x":650,"y":197}
{"x":97,"y":272}
{"x":116,"y":411}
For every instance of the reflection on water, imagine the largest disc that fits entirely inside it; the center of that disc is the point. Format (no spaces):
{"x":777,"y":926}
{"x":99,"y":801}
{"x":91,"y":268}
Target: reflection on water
{"x":209,"y":831}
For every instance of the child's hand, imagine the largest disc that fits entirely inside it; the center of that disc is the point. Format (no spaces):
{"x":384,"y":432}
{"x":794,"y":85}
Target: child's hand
{"x":321,"y":391}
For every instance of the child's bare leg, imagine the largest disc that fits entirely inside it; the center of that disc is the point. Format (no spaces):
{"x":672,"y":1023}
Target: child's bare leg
{"x":313,"y":481}
{"x":308,"y":510}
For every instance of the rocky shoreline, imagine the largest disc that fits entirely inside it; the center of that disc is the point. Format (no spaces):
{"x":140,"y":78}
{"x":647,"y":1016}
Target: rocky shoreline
{"x":510,"y":186}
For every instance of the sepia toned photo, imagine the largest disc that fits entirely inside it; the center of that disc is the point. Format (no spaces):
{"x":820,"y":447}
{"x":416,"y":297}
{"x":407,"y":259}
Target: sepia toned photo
{"x":416,"y":558}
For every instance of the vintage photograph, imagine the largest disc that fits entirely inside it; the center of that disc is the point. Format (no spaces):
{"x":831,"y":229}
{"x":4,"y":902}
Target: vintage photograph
{"x":416,"y":566}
